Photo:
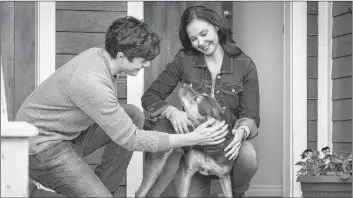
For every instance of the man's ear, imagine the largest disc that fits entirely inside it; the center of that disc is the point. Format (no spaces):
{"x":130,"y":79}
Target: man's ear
{"x":120,"y":55}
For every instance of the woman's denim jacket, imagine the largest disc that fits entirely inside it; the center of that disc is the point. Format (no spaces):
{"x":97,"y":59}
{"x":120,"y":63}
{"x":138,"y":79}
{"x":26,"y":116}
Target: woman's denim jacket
{"x":236,"y":87}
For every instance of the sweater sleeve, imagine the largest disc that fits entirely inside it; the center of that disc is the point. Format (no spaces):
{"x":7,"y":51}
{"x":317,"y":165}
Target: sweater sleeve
{"x":95,"y":96}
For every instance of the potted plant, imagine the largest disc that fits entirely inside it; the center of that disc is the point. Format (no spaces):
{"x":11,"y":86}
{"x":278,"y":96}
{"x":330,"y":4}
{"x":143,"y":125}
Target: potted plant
{"x":326,"y":176}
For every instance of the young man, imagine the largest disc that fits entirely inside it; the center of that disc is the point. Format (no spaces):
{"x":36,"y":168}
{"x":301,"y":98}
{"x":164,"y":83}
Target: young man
{"x":77,"y":112}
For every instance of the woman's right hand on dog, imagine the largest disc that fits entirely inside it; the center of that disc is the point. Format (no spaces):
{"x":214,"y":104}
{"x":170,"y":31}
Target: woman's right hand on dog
{"x":180,"y":121}
{"x":205,"y":135}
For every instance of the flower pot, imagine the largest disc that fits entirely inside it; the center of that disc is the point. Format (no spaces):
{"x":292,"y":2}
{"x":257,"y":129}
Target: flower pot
{"x":325,"y":186}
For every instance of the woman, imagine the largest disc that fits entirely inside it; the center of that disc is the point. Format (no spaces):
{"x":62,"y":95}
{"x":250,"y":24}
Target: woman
{"x":210,"y":62}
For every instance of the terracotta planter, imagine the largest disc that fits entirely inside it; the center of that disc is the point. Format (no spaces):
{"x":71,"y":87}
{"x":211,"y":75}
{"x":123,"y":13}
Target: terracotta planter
{"x":325,"y":186}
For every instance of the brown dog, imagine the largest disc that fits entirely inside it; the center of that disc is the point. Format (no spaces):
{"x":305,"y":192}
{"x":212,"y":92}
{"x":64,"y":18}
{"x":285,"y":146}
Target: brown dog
{"x":207,"y":160}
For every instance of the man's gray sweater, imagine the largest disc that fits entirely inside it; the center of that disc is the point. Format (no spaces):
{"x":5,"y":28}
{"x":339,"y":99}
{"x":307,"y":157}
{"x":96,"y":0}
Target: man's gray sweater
{"x":78,"y":94}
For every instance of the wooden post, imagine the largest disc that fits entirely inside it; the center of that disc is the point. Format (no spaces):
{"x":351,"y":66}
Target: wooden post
{"x":14,"y":151}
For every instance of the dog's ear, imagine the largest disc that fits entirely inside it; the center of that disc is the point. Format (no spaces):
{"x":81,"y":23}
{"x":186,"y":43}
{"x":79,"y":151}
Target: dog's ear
{"x":209,"y":107}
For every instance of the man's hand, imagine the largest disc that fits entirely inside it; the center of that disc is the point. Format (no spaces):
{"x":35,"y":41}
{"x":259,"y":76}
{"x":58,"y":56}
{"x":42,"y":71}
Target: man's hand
{"x":235,"y":144}
{"x":206,"y":134}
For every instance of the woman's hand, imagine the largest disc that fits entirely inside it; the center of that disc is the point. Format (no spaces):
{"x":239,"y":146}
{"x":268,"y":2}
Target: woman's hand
{"x":235,"y":144}
{"x":204,"y":135}
{"x":180,"y":121}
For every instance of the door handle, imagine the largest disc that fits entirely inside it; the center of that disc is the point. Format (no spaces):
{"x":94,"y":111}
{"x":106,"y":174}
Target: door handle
{"x":227,"y":14}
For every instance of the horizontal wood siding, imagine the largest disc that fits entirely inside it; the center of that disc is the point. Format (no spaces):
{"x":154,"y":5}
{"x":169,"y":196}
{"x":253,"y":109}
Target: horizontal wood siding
{"x":342,"y":76}
{"x":312,"y":73}
{"x":93,"y":5}
{"x":82,"y":25}
{"x":74,"y":43}
{"x":85,"y":21}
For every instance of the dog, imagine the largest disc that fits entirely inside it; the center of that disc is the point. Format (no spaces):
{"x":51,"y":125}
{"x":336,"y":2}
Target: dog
{"x":207,"y":160}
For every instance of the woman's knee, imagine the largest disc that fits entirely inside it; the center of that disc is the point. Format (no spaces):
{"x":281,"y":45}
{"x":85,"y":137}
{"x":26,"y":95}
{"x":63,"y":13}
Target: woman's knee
{"x":248,"y":156}
{"x":137,"y":116}
{"x":245,"y":166}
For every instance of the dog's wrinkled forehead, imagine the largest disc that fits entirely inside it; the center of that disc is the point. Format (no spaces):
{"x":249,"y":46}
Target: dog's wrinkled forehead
{"x":208,"y":106}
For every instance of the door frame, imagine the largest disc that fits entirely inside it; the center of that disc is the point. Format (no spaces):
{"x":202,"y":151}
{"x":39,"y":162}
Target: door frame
{"x":295,"y":97}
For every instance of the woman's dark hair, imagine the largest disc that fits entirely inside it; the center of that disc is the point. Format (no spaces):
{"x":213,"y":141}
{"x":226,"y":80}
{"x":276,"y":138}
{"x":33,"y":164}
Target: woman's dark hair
{"x":210,"y":16}
{"x":133,"y":38}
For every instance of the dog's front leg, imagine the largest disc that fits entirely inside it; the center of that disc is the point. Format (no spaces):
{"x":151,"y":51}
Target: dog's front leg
{"x":170,"y":169}
{"x":153,"y":167}
{"x":185,"y":179}
{"x":226,"y":185}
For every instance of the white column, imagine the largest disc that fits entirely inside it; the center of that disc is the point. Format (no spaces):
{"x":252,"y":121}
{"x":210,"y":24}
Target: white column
{"x":324,"y":126}
{"x":135,"y":88}
{"x":45,"y":40}
{"x":298,"y":87}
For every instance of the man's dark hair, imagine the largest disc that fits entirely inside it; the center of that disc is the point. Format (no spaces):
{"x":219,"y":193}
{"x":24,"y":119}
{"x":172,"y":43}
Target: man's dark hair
{"x":133,"y":38}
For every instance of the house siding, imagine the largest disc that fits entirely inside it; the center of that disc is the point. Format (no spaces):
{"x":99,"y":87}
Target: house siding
{"x":82,"y":25}
{"x":312,"y":73}
{"x":342,"y":76}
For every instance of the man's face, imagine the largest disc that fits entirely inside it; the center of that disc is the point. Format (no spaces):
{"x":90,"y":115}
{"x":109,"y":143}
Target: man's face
{"x":123,"y":65}
{"x":132,"y":68}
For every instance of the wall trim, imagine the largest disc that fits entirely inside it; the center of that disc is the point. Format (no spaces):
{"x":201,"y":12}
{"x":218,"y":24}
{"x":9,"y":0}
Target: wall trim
{"x":261,"y":191}
{"x":286,"y":187}
{"x":45,"y":40}
{"x":264,"y":191}
{"x":298,"y":90}
{"x":135,"y":89}
{"x":324,"y":107}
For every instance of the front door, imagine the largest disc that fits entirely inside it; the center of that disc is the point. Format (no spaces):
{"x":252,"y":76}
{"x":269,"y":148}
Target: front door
{"x":164,"y":18}
{"x":258,"y":31}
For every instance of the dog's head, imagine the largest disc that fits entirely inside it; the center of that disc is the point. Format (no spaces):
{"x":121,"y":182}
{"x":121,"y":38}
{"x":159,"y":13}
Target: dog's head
{"x":199,"y":107}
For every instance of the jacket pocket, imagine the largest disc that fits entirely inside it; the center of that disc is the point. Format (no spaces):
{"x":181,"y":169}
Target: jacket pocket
{"x":232,"y":89}
{"x":231,"y":94}
{"x":195,"y":85}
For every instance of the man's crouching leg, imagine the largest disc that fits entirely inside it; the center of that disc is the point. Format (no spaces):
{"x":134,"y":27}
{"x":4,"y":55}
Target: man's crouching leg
{"x":116,"y":159}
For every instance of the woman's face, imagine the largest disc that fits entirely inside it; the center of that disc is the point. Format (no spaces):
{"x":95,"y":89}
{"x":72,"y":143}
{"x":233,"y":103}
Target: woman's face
{"x":203,"y":36}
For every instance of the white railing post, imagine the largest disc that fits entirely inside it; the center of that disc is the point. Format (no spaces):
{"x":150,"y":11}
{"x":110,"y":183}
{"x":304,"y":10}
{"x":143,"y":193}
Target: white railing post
{"x":45,"y":40}
{"x":298,"y":87}
{"x":324,"y":125}
{"x":135,"y":88}
{"x":14,"y":151}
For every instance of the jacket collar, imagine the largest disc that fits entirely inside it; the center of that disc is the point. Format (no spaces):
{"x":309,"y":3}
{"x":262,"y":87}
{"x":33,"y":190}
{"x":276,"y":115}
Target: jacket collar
{"x":227,"y":64}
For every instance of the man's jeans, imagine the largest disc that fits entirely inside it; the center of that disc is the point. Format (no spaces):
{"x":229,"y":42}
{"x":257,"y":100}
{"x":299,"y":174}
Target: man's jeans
{"x":244,"y":169}
{"x":62,"y":167}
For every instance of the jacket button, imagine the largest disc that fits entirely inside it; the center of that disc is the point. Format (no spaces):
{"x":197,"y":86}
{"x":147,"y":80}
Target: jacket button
{"x":224,"y":108}
{"x":218,"y":77}
{"x":217,"y":91}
